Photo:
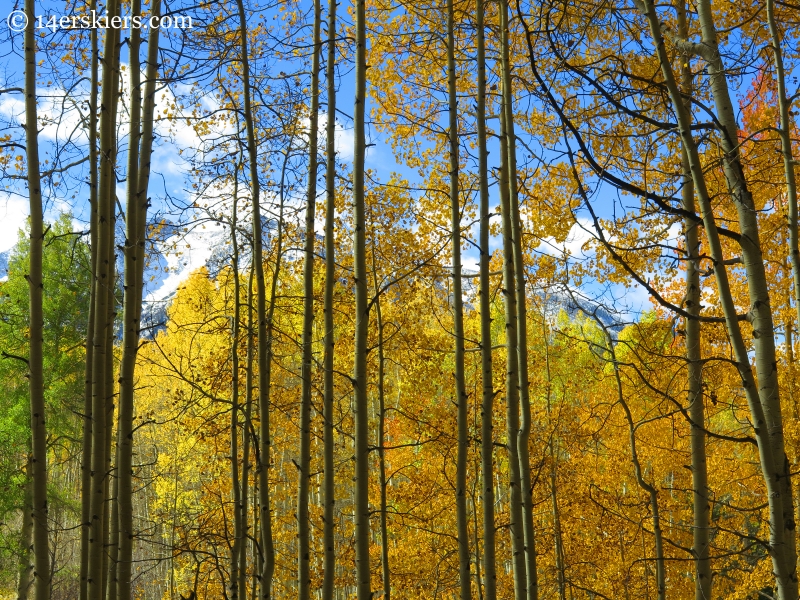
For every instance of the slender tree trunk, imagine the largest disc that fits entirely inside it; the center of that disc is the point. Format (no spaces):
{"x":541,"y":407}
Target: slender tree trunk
{"x":558,"y":539}
{"x":763,"y":398}
{"x":112,"y":526}
{"x":488,"y":393}
{"x":329,"y":487}
{"x":360,"y":375}
{"x":236,"y":487}
{"x":264,"y":340}
{"x":111,"y":508}
{"x":785,"y":132}
{"x":515,"y":237}
{"x":384,"y":527}
{"x":475,"y":526}
{"x":661,"y":585}
{"x":25,"y":568}
{"x":86,"y":452}
{"x":251,"y":432}
{"x":247,"y":431}
{"x":761,"y":311}
{"x":38,"y":462}
{"x":700,"y":531}
{"x":137,"y":202}
{"x":516,"y":528}
{"x":557,"y":536}
{"x":303,"y":550}
{"x":458,"y":316}
{"x":103,"y":328}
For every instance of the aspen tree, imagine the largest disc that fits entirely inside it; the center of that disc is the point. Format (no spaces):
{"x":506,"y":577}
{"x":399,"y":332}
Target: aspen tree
{"x":38,"y":461}
{"x":516,"y":528}
{"x":360,"y":402}
{"x":86,"y":443}
{"x":700,"y":498}
{"x":655,"y":515}
{"x":139,"y":157}
{"x":785,"y":133}
{"x":303,"y":550}
{"x":385,"y":569}
{"x":24,"y":572}
{"x":247,"y":428}
{"x":488,"y":393}
{"x":264,"y":321}
{"x":268,"y":566}
{"x":329,"y":488}
{"x":763,"y":397}
{"x":558,"y":538}
{"x":515,"y":239}
{"x":249,"y":431}
{"x":465,"y":580}
{"x":104,"y":310}
{"x":237,"y":548}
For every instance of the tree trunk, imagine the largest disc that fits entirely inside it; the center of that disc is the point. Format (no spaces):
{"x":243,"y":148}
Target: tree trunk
{"x":103,"y":327}
{"x":137,"y":202}
{"x":360,"y":376}
{"x":516,"y":527}
{"x":303,"y":550}
{"x":515,"y":238}
{"x":247,"y":432}
{"x":385,"y":571}
{"x":329,"y":557}
{"x":236,"y":485}
{"x":785,"y":132}
{"x":465,"y":580}
{"x":763,"y":398}
{"x":86,"y":451}
{"x":558,"y":539}
{"x":264,"y":341}
{"x":487,"y":399}
{"x":25,"y":568}
{"x":661,"y":585}
{"x":38,"y":462}
{"x":700,"y":530}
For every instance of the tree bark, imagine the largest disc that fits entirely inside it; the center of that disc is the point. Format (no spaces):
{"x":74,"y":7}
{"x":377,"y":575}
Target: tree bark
{"x":264,"y":340}
{"x":385,"y":570}
{"x":516,"y":526}
{"x":465,"y":580}
{"x":763,"y":398}
{"x":360,"y":381}
{"x":236,"y":486}
{"x":515,"y":238}
{"x":700,"y":500}
{"x":24,"y":567}
{"x":303,"y":550}
{"x":38,"y":462}
{"x":329,"y":556}
{"x":785,"y":133}
{"x":247,"y":432}
{"x":137,"y":203}
{"x":86,"y":447}
{"x":103,"y":327}
{"x":488,"y":393}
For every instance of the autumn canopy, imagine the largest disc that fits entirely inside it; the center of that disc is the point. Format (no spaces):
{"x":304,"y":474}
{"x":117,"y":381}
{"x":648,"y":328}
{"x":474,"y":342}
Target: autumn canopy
{"x":476,"y":299}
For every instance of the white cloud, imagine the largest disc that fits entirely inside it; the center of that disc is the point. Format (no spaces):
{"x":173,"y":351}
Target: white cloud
{"x":576,"y":244}
{"x":13,"y":212}
{"x":343,"y":140}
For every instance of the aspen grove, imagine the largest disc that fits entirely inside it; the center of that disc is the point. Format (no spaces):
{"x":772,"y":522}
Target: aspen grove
{"x":475,"y":299}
